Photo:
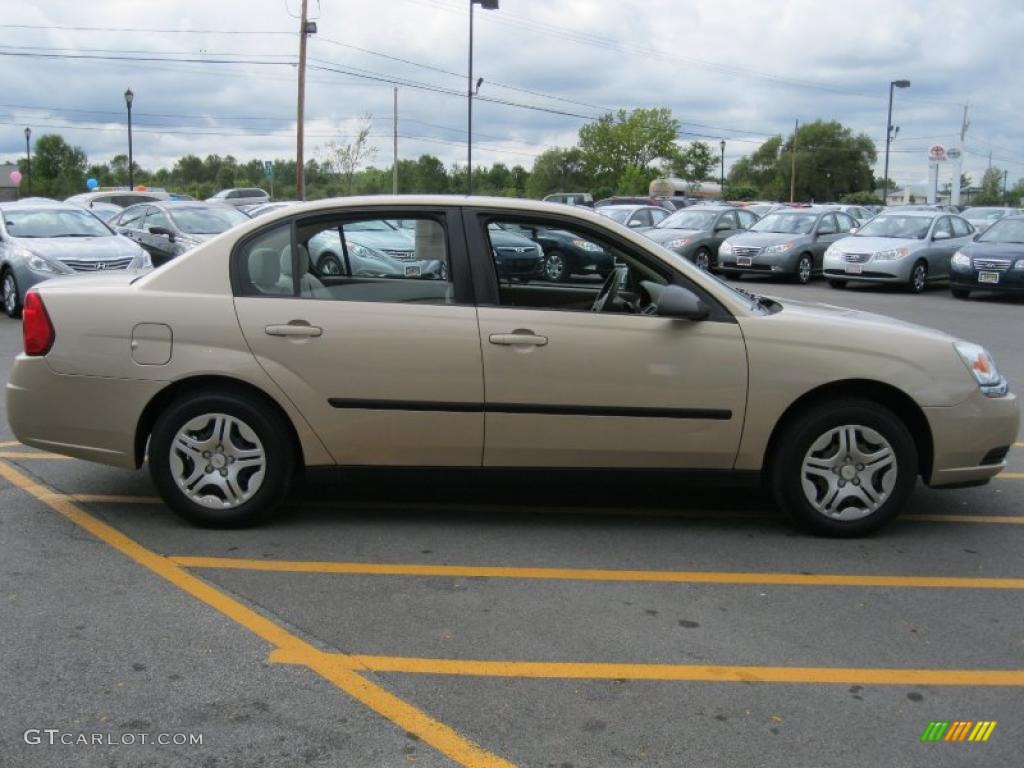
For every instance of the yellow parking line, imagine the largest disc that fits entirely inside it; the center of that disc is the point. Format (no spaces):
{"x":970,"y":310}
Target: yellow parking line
{"x":9,"y":443}
{"x":994,"y":519}
{"x":690,"y":672}
{"x":443,"y":738}
{"x":1010,"y":476}
{"x":590,"y":574}
{"x":1019,"y":445}
{"x":34,"y":455}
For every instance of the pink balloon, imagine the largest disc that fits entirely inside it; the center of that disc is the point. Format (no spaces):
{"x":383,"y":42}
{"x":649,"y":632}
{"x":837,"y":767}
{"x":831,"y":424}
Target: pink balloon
{"x":16,"y":177}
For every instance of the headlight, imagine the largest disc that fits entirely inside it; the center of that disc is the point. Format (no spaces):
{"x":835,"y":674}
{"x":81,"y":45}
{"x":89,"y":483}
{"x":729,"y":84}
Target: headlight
{"x":892,"y":255}
{"x":960,"y":260}
{"x":362,"y":252}
{"x":585,"y":245}
{"x":725,"y":249}
{"x":982,"y":367}
{"x":142,"y":261}
{"x":775,"y":250}
{"x":42,"y":266}
{"x":1019,"y":264}
{"x":679,"y":242}
{"x":833,"y":252}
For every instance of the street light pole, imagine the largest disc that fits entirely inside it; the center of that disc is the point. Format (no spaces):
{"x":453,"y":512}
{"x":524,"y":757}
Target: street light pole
{"x":721,"y":178}
{"x":487,"y":5}
{"x":888,"y":136}
{"x":129,"y":97}
{"x":28,"y":160}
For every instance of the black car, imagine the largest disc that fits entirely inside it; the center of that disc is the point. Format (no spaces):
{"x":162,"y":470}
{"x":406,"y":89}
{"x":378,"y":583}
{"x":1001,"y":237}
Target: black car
{"x":169,"y":229}
{"x":993,"y":261}
{"x":567,"y":254}
{"x":516,"y":256}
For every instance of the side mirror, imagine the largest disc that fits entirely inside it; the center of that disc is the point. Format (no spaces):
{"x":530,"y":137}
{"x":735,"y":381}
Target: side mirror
{"x":676,"y":301}
{"x":853,"y":229}
{"x":941,"y":236}
{"x":634,"y":223}
{"x":162,"y":231}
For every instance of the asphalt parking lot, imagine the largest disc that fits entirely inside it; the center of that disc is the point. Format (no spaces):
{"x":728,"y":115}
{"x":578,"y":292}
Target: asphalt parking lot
{"x":457,"y":619}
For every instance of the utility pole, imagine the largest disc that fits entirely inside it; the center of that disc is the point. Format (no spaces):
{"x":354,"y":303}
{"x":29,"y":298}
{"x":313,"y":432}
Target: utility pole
{"x":1004,"y":185}
{"x":394,"y":180}
{"x":305,"y":28}
{"x":792,"y":166}
{"x":958,"y":165}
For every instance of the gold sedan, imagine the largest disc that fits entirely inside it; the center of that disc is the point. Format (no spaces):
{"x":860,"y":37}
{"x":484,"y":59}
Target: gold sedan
{"x":230,"y":368}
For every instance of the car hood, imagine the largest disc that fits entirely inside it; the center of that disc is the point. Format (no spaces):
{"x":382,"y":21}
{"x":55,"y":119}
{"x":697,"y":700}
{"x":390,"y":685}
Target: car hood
{"x":761,"y":239}
{"x":995,"y":250}
{"x":663,"y":235}
{"x":80,"y":248}
{"x":876,"y":244}
{"x":850,"y":318}
{"x":382,"y":241}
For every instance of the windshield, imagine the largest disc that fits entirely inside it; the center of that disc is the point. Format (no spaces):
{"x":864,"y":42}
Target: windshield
{"x":206,"y":221}
{"x":688,"y":218}
{"x":893,"y":225}
{"x":1005,"y":231}
{"x":786,"y":223}
{"x":616,"y":214}
{"x":54,"y":223}
{"x":985,"y":213}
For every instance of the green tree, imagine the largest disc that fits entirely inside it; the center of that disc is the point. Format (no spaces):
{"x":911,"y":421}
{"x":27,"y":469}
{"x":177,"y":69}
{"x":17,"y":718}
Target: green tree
{"x":991,"y":188}
{"x":346,"y":159}
{"x":558,"y":170}
{"x":58,"y":169}
{"x":628,"y":141}
{"x":759,"y":169}
{"x":693,"y":163}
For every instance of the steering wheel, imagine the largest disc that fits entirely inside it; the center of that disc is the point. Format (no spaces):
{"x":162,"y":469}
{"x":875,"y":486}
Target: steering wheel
{"x":606,"y":297}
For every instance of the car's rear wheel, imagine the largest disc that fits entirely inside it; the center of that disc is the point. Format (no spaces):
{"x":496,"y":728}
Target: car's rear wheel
{"x":919,"y":277}
{"x":12,"y":302}
{"x":804,"y":269}
{"x":221,"y":459}
{"x":961,"y":293}
{"x":329,"y":264}
{"x":702,"y":258}
{"x":556,"y":269}
{"x":837,"y":284}
{"x":844,"y":468}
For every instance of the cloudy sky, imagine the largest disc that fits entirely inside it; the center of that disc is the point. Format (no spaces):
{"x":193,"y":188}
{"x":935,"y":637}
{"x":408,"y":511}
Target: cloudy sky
{"x":218,"y":76}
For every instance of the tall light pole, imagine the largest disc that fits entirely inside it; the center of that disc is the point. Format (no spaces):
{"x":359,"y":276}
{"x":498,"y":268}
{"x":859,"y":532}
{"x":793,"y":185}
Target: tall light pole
{"x":306,"y":28}
{"x":888,"y":136}
{"x":129,"y":97}
{"x":28,"y":160}
{"x":487,"y":5}
{"x":721,"y":178}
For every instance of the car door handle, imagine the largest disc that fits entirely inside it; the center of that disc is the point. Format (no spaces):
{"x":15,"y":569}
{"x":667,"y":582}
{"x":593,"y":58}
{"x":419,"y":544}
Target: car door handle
{"x":294,"y":329}
{"x":518,"y":336}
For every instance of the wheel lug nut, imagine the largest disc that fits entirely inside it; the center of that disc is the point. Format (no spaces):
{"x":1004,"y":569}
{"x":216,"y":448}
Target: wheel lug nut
{"x":209,"y":469}
{"x":223,"y":473}
{"x":842,"y":483}
{"x":206,"y":454}
{"x":856,"y":481}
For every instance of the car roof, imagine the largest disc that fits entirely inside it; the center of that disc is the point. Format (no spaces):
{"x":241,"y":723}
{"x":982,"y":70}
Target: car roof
{"x":39,"y":204}
{"x":916,"y":212}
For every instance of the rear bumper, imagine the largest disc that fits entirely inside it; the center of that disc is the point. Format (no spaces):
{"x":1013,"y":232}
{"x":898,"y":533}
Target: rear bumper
{"x":963,"y":435}
{"x":87,"y":417}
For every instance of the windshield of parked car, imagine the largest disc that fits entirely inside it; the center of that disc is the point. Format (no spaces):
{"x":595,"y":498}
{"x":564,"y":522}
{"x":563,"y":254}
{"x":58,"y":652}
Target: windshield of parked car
{"x":1004,"y":231}
{"x":894,"y":225}
{"x":985,"y":213}
{"x":688,"y":218}
{"x":786,"y":223}
{"x":206,"y":221}
{"x":616,"y":214}
{"x":54,"y":223}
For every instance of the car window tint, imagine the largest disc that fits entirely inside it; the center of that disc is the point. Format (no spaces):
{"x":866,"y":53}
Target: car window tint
{"x":659,"y":216}
{"x":943,"y":225}
{"x":827,"y":225}
{"x":728,"y":219}
{"x":257,"y":264}
{"x":156,"y":218}
{"x":846,"y":222}
{"x":747,"y":219}
{"x":960,"y":227}
{"x":132,"y":218}
{"x":367,"y":259}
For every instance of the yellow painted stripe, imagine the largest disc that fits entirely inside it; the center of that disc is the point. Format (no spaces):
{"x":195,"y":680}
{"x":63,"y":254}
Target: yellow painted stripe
{"x":988,"y":731}
{"x":21,"y":455}
{"x":978,"y":730}
{"x":9,"y":443}
{"x":990,"y":519}
{"x":1010,"y":476}
{"x":1019,"y":445}
{"x":684,"y":672}
{"x":437,"y":734}
{"x":589,"y":574}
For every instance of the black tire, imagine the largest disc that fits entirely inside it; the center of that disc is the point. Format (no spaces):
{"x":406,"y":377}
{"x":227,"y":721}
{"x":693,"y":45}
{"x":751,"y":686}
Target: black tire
{"x":269,"y":425}
{"x":702,"y":258}
{"x":11,"y":300}
{"x":918,"y":277}
{"x":837,"y":284}
{"x":961,"y":293}
{"x":329,"y":264}
{"x":786,"y":473}
{"x":556,"y":267}
{"x":735,"y":274}
{"x":804,"y":269}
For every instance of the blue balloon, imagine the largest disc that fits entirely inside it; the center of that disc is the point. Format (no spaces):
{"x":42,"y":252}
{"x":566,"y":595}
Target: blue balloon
{"x":92,"y":183}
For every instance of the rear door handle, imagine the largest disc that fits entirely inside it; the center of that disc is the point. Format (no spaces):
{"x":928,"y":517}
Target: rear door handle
{"x":518,"y":336}
{"x":295,"y":329}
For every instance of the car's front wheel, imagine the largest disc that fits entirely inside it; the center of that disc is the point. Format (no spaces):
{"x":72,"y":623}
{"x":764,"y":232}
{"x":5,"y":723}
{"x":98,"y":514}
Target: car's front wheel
{"x":556,"y":269}
{"x":804,"y":269}
{"x":844,"y":468}
{"x":961,"y":293}
{"x":12,"y":302}
{"x":221,"y":459}
{"x":702,"y":258}
{"x":329,"y":264}
{"x":919,"y":277}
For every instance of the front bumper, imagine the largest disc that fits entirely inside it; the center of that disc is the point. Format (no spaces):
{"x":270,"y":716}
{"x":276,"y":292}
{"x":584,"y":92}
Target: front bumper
{"x":872,"y":271}
{"x":1009,"y":280}
{"x":87,"y":417}
{"x":964,"y":435}
{"x":774,"y":264}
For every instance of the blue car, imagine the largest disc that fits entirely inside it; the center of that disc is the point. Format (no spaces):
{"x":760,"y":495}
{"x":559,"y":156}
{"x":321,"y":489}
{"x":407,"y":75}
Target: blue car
{"x":993,"y":261}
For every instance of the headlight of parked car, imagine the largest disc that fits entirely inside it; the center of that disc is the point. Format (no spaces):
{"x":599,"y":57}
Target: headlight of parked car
{"x":960,"y":260}
{"x":585,"y":245}
{"x":142,"y":261}
{"x":1019,"y":264}
{"x":982,"y":367}
{"x":42,"y":266}
{"x":362,"y":252}
{"x":833,"y":252}
{"x":775,"y":250}
{"x":725,"y":249}
{"x":891,"y":255}
{"x":679,"y":242}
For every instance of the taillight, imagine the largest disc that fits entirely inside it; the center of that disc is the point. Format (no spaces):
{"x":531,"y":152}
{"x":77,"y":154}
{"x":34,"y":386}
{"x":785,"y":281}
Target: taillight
{"x":36,"y":326}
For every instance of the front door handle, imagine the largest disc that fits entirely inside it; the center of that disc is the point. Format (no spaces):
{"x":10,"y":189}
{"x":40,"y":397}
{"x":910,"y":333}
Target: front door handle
{"x":295,"y":329}
{"x":517,"y":337}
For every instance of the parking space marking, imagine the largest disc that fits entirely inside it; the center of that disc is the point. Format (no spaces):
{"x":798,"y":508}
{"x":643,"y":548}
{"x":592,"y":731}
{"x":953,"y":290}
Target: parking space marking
{"x":591,"y":574}
{"x":33,"y":455}
{"x":1010,"y":475}
{"x":440,"y":736}
{"x":9,"y":443}
{"x":993,"y":519}
{"x":714,"y":673}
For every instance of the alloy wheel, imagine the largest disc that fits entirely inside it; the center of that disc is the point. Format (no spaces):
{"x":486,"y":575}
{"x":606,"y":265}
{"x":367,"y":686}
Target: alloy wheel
{"x":554,"y":267}
{"x":10,"y":292}
{"x":329,"y":265}
{"x":848,"y":472}
{"x":217,"y":461}
{"x":919,"y":278}
{"x":803,"y":270}
{"x":703,"y":260}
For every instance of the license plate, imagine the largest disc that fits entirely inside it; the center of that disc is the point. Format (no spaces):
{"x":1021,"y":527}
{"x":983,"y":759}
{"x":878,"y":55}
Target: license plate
{"x":988,"y":277}
{"x":854,"y":269}
{"x":744,"y":261}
